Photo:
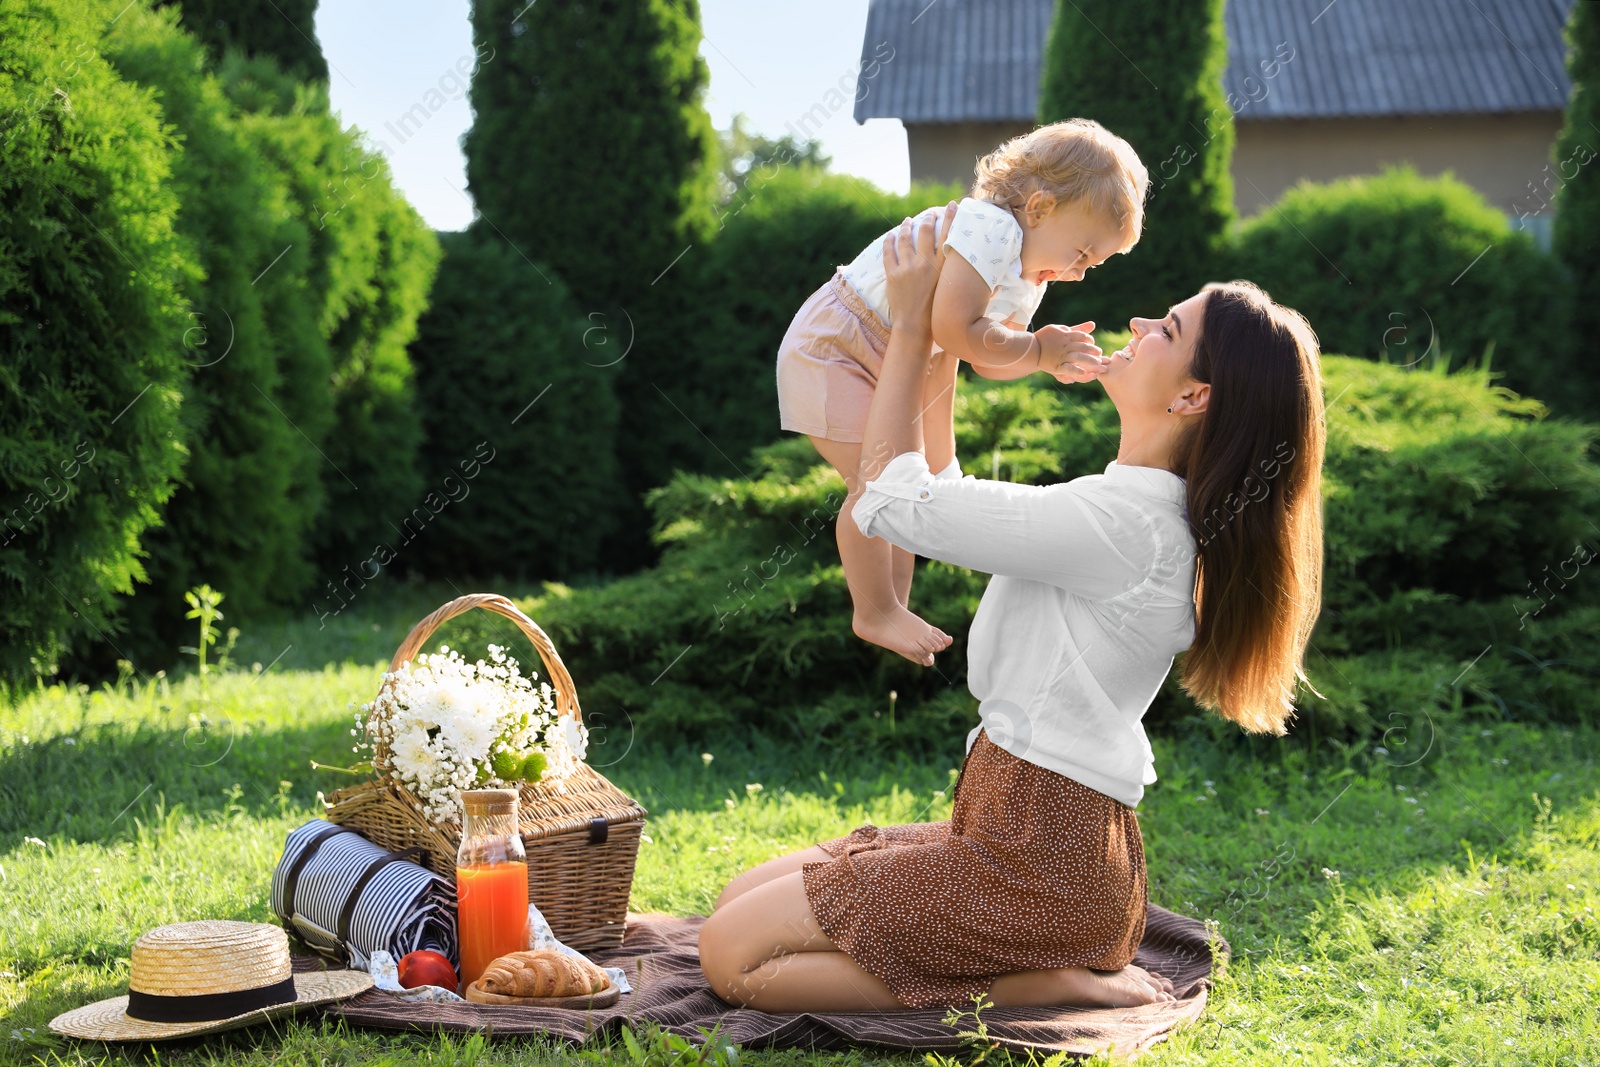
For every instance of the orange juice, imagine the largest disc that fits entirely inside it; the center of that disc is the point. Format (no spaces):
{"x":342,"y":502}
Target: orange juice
{"x":492,"y":914}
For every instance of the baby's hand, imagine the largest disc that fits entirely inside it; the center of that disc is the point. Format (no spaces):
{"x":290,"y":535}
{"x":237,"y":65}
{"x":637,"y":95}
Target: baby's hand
{"x":1069,"y":353}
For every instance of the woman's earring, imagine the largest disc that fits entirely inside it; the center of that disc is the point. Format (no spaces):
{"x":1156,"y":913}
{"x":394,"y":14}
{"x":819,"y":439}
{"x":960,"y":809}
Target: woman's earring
{"x":1169,"y":411}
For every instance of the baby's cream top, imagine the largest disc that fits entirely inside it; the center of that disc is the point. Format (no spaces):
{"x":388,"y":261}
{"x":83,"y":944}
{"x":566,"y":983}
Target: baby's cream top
{"x":985,"y":235}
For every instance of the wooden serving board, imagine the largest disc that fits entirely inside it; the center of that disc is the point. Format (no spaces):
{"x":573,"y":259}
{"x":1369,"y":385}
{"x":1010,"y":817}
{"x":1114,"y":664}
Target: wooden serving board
{"x":603,"y":999}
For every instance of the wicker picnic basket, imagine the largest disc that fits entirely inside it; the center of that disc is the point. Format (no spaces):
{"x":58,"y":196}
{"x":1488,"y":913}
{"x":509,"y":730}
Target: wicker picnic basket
{"x":581,"y":833}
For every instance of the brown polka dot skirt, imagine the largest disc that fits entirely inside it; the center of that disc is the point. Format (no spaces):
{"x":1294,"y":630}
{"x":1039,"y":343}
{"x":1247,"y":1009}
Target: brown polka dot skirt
{"x":1032,"y":870}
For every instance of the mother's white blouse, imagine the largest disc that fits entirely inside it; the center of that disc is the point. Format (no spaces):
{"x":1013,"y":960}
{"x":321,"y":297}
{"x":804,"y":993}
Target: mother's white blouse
{"x":1092,"y":597}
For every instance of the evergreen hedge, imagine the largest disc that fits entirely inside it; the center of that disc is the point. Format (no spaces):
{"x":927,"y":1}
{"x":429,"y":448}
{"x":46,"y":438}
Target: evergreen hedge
{"x":92,"y":313}
{"x":257,"y":407}
{"x":279,"y":311}
{"x":285,"y":30}
{"x":1411,"y":269}
{"x":520,"y":422}
{"x":1443,"y":537}
{"x":1576,"y":235}
{"x":369,"y":262}
{"x":590,"y":152}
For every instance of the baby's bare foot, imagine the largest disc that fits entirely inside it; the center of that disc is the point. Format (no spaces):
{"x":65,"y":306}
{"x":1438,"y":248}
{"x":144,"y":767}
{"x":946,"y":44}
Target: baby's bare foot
{"x":899,"y":630}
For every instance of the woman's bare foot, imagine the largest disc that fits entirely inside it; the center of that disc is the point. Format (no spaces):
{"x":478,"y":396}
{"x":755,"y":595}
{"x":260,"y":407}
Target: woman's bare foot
{"x":1080,"y":987}
{"x":900,"y":630}
{"x":1126,"y":988}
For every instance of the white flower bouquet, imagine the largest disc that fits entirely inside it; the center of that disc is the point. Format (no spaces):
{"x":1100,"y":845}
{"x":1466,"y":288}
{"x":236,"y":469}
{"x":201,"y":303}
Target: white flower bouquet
{"x":441,"y":724}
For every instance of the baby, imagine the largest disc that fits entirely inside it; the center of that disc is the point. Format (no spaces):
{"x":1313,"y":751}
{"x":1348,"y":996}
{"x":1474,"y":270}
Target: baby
{"x":1045,"y":206}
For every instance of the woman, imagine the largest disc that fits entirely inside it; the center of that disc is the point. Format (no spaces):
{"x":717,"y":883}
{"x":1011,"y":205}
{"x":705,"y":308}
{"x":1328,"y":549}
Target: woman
{"x":1204,"y":536}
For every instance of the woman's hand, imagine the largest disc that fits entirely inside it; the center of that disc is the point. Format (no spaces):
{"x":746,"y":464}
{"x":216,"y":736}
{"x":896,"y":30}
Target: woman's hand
{"x":913,"y":256}
{"x":911,"y":263}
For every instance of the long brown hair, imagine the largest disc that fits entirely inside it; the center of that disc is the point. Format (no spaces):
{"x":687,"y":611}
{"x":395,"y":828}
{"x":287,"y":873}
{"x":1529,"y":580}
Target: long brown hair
{"x":1253,"y":466}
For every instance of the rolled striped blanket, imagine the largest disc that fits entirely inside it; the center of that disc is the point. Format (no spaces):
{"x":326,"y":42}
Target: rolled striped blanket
{"x":347,"y":897}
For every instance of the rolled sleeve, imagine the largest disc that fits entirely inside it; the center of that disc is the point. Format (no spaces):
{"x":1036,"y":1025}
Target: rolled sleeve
{"x":1069,"y":535}
{"x":904,"y":477}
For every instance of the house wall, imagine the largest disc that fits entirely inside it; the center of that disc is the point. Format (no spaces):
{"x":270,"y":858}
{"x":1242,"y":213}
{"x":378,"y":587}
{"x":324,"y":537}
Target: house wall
{"x":949,"y":152}
{"x":1499,"y":155}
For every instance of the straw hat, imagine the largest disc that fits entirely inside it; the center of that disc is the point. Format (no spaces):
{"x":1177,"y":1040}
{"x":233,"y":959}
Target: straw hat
{"x":204,"y":977}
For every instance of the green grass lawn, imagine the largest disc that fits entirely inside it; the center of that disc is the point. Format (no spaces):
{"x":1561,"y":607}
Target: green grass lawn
{"x":1434,"y":904}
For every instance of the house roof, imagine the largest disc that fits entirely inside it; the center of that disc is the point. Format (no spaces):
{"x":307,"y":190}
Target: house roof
{"x":978,"y":60}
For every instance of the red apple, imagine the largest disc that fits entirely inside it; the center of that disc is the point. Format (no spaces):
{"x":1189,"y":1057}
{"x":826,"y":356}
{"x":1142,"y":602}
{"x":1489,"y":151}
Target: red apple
{"x":425,"y":967}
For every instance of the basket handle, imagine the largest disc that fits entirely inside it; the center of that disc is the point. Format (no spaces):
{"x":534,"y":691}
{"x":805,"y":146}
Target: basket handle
{"x":566,"y":693}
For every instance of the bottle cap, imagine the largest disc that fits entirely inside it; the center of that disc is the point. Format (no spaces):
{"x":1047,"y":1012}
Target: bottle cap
{"x":489,"y":801}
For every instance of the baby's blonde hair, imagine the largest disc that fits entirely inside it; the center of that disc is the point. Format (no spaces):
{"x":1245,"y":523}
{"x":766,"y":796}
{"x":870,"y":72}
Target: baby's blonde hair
{"x":1075,"y":161}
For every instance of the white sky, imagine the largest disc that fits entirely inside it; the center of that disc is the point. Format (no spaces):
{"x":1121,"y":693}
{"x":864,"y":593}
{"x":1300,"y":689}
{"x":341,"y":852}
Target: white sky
{"x":771,"y":59}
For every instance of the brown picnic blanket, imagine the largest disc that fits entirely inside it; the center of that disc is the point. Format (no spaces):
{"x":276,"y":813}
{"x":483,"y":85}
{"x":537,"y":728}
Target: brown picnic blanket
{"x":661,"y":956}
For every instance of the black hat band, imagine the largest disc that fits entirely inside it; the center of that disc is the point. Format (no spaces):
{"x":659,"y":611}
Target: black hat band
{"x":208,"y":1007}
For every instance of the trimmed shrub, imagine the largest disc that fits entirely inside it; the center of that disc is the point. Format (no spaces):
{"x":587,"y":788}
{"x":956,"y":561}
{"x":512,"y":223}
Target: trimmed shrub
{"x":92,"y":316}
{"x":508,"y":396}
{"x":1443,"y":537}
{"x":1449,"y":483}
{"x":369,"y":262}
{"x":254,"y":481}
{"x":591,"y":152}
{"x":1411,"y":269}
{"x":1577,"y":196}
{"x":284,"y":30}
{"x":589,"y":148}
{"x":1460,"y":521}
{"x":1182,"y":129}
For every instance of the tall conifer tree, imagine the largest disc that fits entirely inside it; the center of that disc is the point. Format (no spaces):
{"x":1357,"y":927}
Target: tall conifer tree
{"x":1576,"y":230}
{"x":592,"y":154}
{"x":1150,"y":71}
{"x":590,"y":148}
{"x":283,"y":29}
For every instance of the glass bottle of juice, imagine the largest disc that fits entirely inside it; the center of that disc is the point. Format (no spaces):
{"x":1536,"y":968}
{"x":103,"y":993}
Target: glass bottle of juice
{"x":491,"y":881}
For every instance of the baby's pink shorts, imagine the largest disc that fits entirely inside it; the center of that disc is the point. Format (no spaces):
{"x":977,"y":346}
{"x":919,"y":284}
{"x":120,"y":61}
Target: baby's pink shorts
{"x":828,"y":364}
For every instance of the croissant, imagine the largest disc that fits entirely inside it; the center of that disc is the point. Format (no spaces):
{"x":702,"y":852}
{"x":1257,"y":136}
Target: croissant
{"x":542,"y":972}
